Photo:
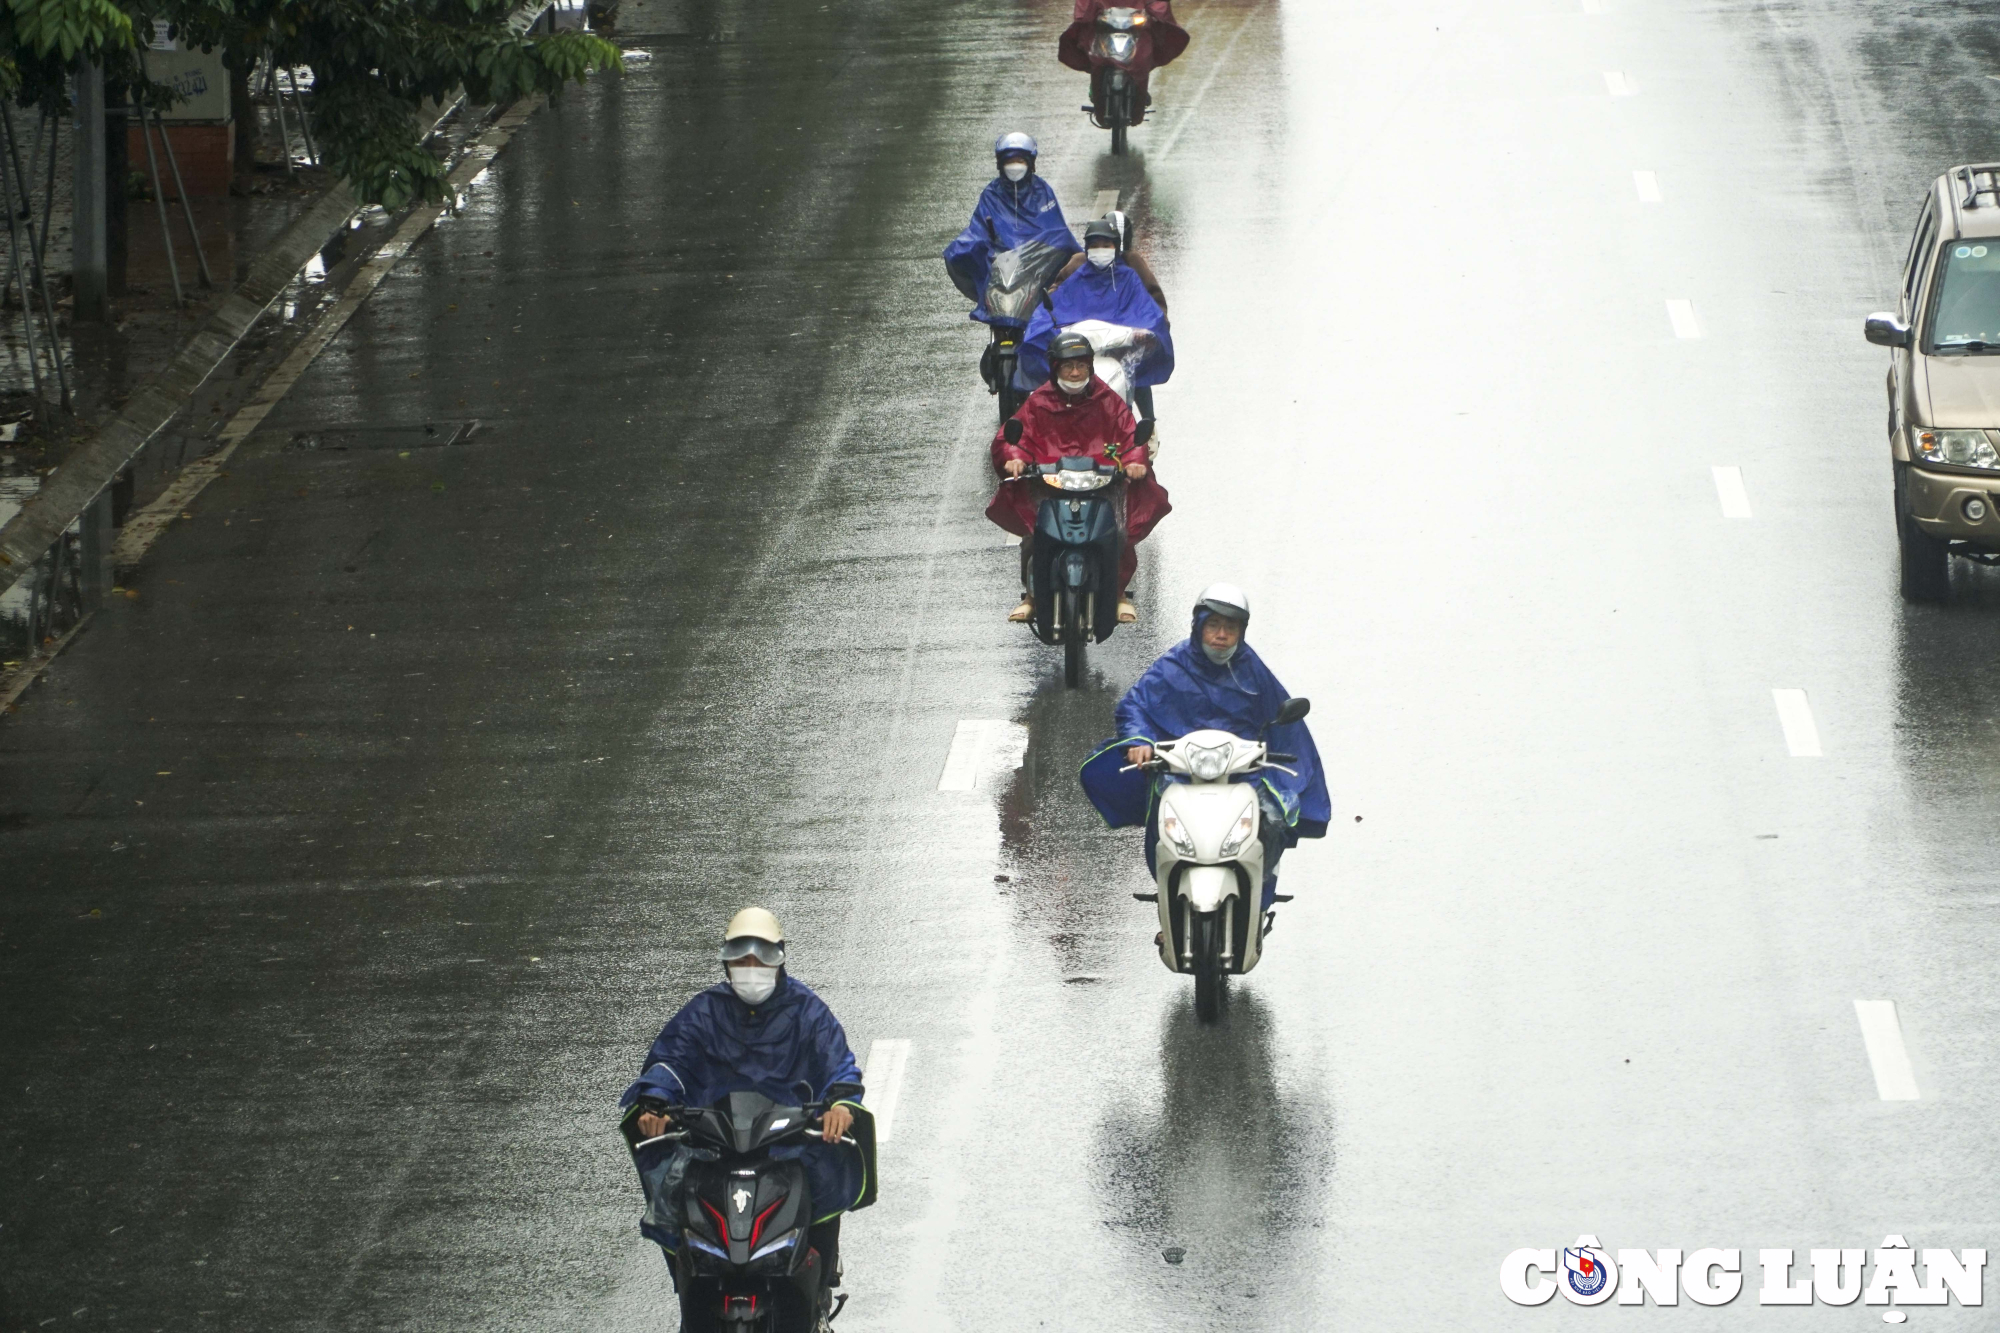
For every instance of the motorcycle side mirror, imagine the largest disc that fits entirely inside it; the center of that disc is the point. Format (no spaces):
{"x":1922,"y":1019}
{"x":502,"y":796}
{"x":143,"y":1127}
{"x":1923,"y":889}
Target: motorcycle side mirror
{"x":1012,"y":430}
{"x":1144,"y":433}
{"x":1290,"y":711}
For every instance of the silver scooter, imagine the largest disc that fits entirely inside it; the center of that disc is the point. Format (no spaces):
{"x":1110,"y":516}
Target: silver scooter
{"x":1209,"y":862}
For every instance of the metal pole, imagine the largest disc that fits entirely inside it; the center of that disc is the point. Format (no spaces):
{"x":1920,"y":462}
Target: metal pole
{"x":35,"y":243}
{"x":91,"y":261}
{"x":284,"y":131}
{"x":305,"y":122}
{"x":187,"y":204}
{"x":160,"y":202}
{"x":17,"y":275}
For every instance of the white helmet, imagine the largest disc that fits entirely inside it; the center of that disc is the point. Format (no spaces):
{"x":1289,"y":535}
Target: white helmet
{"x":1224,"y":599}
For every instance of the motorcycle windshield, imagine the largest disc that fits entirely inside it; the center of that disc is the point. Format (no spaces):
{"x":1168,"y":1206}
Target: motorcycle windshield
{"x":1018,"y":277}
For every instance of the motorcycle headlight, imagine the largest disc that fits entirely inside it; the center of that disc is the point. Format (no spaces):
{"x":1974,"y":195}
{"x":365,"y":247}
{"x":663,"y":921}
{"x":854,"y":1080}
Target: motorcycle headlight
{"x":789,"y":1238}
{"x":704,"y":1246}
{"x":1958,"y":448}
{"x":1121,"y":46}
{"x":1079,"y":481}
{"x":1175,"y":833}
{"x":1208,"y":764}
{"x":1240,"y":835}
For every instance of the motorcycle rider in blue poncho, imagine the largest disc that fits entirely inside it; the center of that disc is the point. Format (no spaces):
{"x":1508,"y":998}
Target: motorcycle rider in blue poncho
{"x":1015,"y":208}
{"x":1212,"y":679}
{"x":1109,"y":289}
{"x":759,"y":1030}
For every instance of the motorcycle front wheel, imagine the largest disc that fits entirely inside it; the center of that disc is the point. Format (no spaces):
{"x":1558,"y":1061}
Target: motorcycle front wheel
{"x":1207,"y":967}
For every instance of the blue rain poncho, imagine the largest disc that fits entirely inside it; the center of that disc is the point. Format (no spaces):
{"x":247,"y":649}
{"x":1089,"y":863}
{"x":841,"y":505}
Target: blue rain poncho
{"x":1009,"y":214}
{"x":1184,"y":692}
{"x":1114,"y":295}
{"x":717,"y":1045}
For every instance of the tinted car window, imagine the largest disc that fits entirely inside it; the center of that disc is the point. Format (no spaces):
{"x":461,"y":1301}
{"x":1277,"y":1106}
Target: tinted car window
{"x":1968,"y":298}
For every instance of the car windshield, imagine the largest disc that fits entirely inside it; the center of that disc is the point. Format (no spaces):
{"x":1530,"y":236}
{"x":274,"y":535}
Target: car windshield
{"x":1968,"y":302}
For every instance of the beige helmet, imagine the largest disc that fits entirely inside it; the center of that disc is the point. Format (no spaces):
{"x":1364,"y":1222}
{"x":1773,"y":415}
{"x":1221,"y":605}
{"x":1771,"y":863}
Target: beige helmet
{"x":754,"y":932}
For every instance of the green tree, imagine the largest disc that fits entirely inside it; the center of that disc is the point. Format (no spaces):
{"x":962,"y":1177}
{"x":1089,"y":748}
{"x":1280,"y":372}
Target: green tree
{"x":375,"y":62}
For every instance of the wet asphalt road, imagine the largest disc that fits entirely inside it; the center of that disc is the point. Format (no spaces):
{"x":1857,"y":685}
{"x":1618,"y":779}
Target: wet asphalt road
{"x":349,"y":870}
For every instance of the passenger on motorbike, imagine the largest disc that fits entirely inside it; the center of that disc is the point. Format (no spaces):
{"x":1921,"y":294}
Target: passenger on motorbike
{"x":1104,"y":291}
{"x":1075,"y":415}
{"x":1016,"y":208}
{"x":1214,"y":679}
{"x":758,"y":1030}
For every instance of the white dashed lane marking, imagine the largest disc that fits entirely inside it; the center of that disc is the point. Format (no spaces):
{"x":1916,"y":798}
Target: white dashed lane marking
{"x":1882,"y":1033}
{"x":1680,"y":312}
{"x":1795,"y":716}
{"x":1729,"y":489}
{"x":978,"y":745}
{"x":883,"y":1078}
{"x":1648,"y":185}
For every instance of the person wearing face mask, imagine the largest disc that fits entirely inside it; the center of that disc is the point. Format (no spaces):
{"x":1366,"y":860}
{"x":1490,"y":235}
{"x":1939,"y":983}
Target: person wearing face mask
{"x":1016,"y":208}
{"x":1075,"y":415}
{"x":760,"y":1030}
{"x":1212,"y":678}
{"x":1105,"y":290}
{"x":1121,"y":251}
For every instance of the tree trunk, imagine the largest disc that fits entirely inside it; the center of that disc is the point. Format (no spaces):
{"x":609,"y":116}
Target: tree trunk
{"x":244,"y":118}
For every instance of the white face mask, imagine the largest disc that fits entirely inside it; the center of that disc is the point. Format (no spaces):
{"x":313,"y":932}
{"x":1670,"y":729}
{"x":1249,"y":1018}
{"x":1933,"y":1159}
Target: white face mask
{"x":753,"y":985}
{"x":1015,"y":171}
{"x":1073,"y":389}
{"x":1219,"y":656}
{"x":1102,"y":256}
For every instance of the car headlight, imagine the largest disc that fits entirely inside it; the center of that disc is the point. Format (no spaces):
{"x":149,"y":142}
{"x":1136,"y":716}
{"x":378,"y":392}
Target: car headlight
{"x":1209,"y":763}
{"x":1958,"y":448}
{"x":1175,"y":833}
{"x":1239,"y":836}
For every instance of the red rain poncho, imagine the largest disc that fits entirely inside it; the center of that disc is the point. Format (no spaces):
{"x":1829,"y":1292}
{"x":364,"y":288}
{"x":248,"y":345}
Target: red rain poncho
{"x":1053,"y":426}
{"x":1160,"y":41}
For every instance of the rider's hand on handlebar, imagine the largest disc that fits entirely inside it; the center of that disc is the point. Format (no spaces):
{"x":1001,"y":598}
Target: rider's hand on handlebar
{"x":1139,"y":754}
{"x":836,"y":1122}
{"x":1135,"y":470}
{"x":651,"y":1126}
{"x":1014,"y":467}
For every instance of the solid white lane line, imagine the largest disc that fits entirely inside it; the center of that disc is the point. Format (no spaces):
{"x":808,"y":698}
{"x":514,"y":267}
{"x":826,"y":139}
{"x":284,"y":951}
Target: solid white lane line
{"x":1105,"y":201}
{"x":961,"y":762}
{"x":883,"y":1078}
{"x":1729,"y":487}
{"x":1795,"y":716}
{"x":1895,"y":1081}
{"x":1619,"y":85}
{"x":1648,"y":185}
{"x":1681,"y":312}
{"x":1187,"y":117}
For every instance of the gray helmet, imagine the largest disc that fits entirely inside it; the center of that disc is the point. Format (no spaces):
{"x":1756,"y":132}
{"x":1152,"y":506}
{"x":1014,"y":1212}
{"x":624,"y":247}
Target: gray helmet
{"x":1102,"y":229}
{"x":1224,"y":599}
{"x":1016,"y":142}
{"x":1070,"y":347}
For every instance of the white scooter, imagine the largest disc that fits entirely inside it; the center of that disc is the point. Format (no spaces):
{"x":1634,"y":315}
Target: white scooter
{"x":1209,"y":861}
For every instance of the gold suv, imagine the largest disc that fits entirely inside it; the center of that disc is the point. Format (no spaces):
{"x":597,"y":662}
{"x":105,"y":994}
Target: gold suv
{"x":1944,"y":382}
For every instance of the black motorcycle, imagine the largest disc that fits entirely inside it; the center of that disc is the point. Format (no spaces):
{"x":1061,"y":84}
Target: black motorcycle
{"x":1073,"y":561}
{"x":745,"y":1258}
{"x":1114,"y":92}
{"x":1015,"y":284}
